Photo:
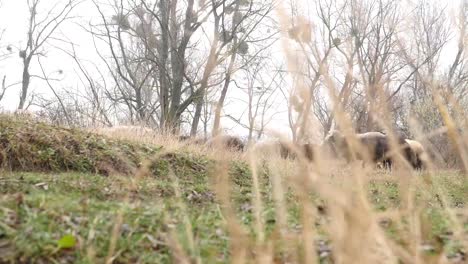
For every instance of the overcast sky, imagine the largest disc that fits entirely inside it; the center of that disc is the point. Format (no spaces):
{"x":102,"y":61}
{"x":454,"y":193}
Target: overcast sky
{"x":14,"y":16}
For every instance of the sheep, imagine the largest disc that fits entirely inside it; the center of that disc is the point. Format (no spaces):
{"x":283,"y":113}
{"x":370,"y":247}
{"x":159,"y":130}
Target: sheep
{"x":278,"y":147}
{"x":285,"y":149}
{"x":291,"y":150}
{"x":184,"y":138}
{"x":419,"y":158}
{"x":376,"y":144}
{"x":230,"y":142}
{"x":402,"y":147}
{"x":288,"y":150}
{"x":192,"y":140}
{"x":308,"y":149}
{"x":412,"y":151}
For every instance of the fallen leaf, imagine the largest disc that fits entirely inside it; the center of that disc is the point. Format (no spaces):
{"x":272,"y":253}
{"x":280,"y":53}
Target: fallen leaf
{"x":67,"y":241}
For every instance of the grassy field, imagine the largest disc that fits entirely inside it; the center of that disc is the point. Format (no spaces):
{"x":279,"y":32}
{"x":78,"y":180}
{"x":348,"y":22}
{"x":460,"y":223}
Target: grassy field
{"x":38,"y":209}
{"x":180,"y":206}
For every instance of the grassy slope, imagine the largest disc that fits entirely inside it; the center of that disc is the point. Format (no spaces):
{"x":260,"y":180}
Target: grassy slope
{"x":28,"y":145}
{"x":39,"y":208}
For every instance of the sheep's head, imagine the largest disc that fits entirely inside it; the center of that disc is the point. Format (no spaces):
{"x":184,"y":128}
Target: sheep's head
{"x":334,"y":137}
{"x":335,"y":142}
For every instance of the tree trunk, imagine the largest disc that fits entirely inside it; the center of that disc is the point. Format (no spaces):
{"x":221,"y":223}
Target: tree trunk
{"x":25,"y":83}
{"x":250,"y":136}
{"x":165,"y":121}
{"x":210,"y":66}
{"x":196,"y":117}
{"x":178,"y":67}
{"x":222,"y":98}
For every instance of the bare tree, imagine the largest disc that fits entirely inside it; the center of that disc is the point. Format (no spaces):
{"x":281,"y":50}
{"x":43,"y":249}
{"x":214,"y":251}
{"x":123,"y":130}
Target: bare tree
{"x":93,"y":89}
{"x":236,"y":37}
{"x":159,"y":70}
{"x":3,"y":88}
{"x":40,"y":31}
{"x":358,"y":44}
{"x":458,"y":72}
{"x":262,"y":43}
{"x":260,"y":86}
{"x":5,"y":52}
{"x":49,"y":79}
{"x":288,"y":95}
{"x":431,"y":75}
{"x":261,"y":100}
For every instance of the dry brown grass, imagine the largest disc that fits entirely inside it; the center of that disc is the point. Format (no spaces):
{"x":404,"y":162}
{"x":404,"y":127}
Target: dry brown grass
{"x":266,"y":208}
{"x":353,"y":226}
{"x":347,"y":217}
{"x":170,"y":142}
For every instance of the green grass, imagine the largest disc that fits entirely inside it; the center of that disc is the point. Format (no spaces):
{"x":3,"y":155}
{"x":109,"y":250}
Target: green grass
{"x":28,"y":145}
{"x":41,"y":208}
{"x":62,"y":192}
{"x":37,"y":209}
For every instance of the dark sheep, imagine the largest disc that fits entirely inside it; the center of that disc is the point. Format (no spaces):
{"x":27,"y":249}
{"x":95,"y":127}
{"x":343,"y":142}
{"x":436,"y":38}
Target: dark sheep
{"x":308,"y":150}
{"x":199,"y":141}
{"x":402,"y":147}
{"x":411,"y":151}
{"x":419,"y":157}
{"x":376,"y":144}
{"x":285,"y":150}
{"x":184,"y":138}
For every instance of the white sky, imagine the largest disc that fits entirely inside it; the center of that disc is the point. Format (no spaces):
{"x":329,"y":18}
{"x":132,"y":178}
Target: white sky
{"x":14,"y":18}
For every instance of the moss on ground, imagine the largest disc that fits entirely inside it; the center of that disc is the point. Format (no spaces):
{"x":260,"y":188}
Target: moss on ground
{"x":28,"y":145}
{"x":37,"y":209}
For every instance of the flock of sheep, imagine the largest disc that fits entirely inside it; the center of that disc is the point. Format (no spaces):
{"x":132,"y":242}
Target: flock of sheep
{"x":379,"y":148}
{"x":375,"y":147}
